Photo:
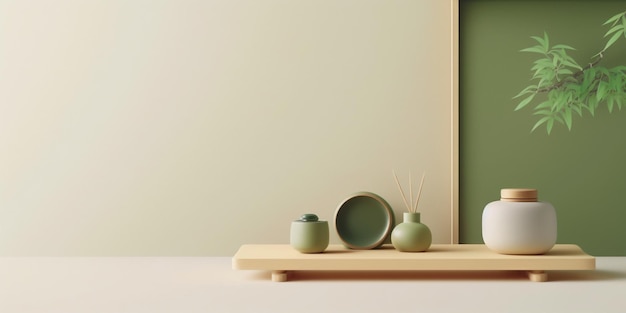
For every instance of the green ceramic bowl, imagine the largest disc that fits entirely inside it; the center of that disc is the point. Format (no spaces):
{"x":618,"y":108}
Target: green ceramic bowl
{"x":364,"y":220}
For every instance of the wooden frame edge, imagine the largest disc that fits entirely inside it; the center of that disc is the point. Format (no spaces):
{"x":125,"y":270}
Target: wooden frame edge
{"x":454,"y":37}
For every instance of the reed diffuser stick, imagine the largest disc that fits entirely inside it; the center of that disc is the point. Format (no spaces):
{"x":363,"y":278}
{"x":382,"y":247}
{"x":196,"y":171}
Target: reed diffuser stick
{"x":401,"y":192}
{"x":410,"y":190}
{"x":411,"y":208}
{"x":419,"y":193}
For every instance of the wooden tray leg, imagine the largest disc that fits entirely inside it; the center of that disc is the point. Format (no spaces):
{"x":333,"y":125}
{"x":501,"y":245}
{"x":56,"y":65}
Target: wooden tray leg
{"x":538,"y":276}
{"x":279,"y":276}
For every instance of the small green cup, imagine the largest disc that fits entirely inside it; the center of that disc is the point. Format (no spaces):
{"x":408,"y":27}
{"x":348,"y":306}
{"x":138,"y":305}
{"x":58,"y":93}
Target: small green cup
{"x":309,"y":234}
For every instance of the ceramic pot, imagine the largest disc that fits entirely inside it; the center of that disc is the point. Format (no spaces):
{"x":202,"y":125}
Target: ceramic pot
{"x":411,"y":235}
{"x":364,"y":221}
{"x":519,"y":224}
{"x":309,"y":234}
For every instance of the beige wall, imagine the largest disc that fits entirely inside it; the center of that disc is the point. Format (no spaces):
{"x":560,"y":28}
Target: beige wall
{"x":191,"y":127}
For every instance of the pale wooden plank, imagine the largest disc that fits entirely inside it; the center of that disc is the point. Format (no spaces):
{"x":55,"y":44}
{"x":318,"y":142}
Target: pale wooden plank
{"x":438,"y":257}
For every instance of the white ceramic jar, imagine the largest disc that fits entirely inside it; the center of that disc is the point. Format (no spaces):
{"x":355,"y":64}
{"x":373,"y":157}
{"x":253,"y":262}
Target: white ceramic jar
{"x":519,"y":224}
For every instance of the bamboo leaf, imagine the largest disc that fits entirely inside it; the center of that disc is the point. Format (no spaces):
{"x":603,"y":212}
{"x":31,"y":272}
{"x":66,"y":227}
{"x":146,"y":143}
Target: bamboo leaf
{"x":555,"y":60}
{"x":588,"y":77}
{"x":525,"y":102}
{"x":571,"y":64}
{"x":543,"y":42}
{"x":535,"y":49}
{"x":546,"y":79}
{"x":614,"y":82}
{"x":602,"y":87}
{"x":564,"y":71}
{"x":559,"y":119}
{"x":543,"y":105}
{"x":543,"y":112}
{"x":567,"y":116}
{"x":543,"y":71}
{"x":526,"y":90}
{"x":570,"y":96}
{"x":613,"y":39}
{"x":563,"y":47}
{"x":549,"y":126}
{"x":566,"y":57}
{"x":558,"y":99}
{"x":539,"y":40}
{"x":543,"y":62}
{"x":603,"y":70}
{"x":538,"y":67}
{"x":590,"y":106}
{"x":614,"y":19}
{"x":578,"y":110}
{"x":540,"y":122}
{"x":573,"y":87}
{"x":614,"y":29}
{"x":610,"y":103}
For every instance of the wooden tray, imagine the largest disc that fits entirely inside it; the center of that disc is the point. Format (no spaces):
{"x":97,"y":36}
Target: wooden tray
{"x":280,"y":259}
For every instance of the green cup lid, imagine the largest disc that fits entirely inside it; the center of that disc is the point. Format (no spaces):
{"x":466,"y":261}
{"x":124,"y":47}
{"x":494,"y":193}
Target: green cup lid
{"x":308,"y":218}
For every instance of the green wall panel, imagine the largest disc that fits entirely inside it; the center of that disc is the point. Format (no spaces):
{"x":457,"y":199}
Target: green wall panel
{"x":582,"y":172}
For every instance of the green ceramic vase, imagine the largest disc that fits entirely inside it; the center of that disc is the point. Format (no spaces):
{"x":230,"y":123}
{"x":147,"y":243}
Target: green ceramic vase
{"x":411,"y":235}
{"x":309,"y":234}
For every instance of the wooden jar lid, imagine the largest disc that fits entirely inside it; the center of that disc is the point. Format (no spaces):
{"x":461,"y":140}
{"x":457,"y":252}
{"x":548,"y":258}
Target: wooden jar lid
{"x":518,"y":194}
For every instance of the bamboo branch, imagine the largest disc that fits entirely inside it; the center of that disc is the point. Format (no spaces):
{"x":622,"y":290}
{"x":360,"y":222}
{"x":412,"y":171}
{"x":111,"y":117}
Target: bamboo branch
{"x":577,"y":74}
